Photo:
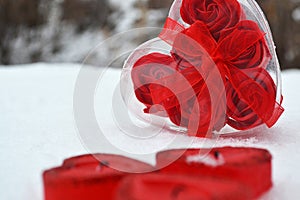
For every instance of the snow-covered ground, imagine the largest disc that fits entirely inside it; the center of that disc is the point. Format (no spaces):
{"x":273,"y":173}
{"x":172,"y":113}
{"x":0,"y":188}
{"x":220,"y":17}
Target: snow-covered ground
{"x":38,"y":131}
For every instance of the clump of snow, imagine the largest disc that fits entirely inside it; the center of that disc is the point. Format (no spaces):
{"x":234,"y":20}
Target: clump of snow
{"x":129,"y":14}
{"x":296,"y":14}
{"x":207,"y":160}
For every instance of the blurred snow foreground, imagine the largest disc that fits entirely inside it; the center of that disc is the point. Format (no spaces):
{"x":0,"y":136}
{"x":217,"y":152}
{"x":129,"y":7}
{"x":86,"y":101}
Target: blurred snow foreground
{"x":38,"y":131}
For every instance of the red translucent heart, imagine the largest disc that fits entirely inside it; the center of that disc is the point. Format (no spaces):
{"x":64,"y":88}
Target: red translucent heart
{"x":180,"y":187}
{"x":249,"y":166}
{"x":89,"y":177}
{"x":234,"y":173}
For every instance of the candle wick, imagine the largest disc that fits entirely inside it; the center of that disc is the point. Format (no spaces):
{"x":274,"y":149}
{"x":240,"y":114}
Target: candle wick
{"x":104,"y":163}
{"x":217,"y":154}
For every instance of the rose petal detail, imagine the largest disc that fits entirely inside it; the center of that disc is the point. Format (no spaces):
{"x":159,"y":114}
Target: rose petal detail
{"x":244,"y":46}
{"x":251,"y":98}
{"x":216,"y":14}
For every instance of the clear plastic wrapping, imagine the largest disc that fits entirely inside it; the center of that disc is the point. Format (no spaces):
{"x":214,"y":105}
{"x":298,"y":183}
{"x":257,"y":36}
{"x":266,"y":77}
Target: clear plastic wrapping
{"x":212,"y":70}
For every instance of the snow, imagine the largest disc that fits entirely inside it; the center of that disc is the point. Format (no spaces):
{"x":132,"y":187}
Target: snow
{"x":60,"y":41}
{"x":55,"y":41}
{"x":38,"y":130}
{"x":129,"y":14}
{"x":296,"y":14}
{"x":208,"y":160}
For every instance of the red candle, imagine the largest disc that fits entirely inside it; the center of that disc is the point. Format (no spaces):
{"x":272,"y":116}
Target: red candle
{"x":89,"y":177}
{"x":224,"y":173}
{"x":250,"y":166}
{"x":180,"y":187}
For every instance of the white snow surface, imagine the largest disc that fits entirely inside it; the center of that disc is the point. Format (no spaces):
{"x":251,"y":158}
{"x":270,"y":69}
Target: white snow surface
{"x":38,"y":131}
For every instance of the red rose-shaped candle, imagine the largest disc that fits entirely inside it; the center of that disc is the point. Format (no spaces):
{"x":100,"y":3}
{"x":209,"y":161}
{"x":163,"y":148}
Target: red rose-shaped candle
{"x":146,"y":75}
{"x":146,"y":71}
{"x":250,"y":98}
{"x":216,"y":14}
{"x":244,"y":46}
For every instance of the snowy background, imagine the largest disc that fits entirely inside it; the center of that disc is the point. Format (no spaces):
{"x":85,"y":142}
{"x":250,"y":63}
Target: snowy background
{"x":66,"y":30}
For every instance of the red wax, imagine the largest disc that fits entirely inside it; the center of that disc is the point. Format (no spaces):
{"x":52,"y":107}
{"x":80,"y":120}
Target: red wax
{"x":87,"y":178}
{"x":250,"y":166}
{"x":224,"y":173}
{"x":180,"y":187}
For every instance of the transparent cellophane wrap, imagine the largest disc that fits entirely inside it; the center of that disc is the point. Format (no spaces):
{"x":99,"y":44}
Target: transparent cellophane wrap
{"x":213,"y":70}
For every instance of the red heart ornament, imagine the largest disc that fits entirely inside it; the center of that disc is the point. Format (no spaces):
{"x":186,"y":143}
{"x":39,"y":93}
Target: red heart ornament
{"x":249,"y":166}
{"x":223,"y":173}
{"x":89,"y":177}
{"x":180,"y":187}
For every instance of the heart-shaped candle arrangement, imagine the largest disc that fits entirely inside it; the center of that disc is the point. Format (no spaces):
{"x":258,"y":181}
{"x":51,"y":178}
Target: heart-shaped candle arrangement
{"x":213,"y":69}
{"x":221,"y":173}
